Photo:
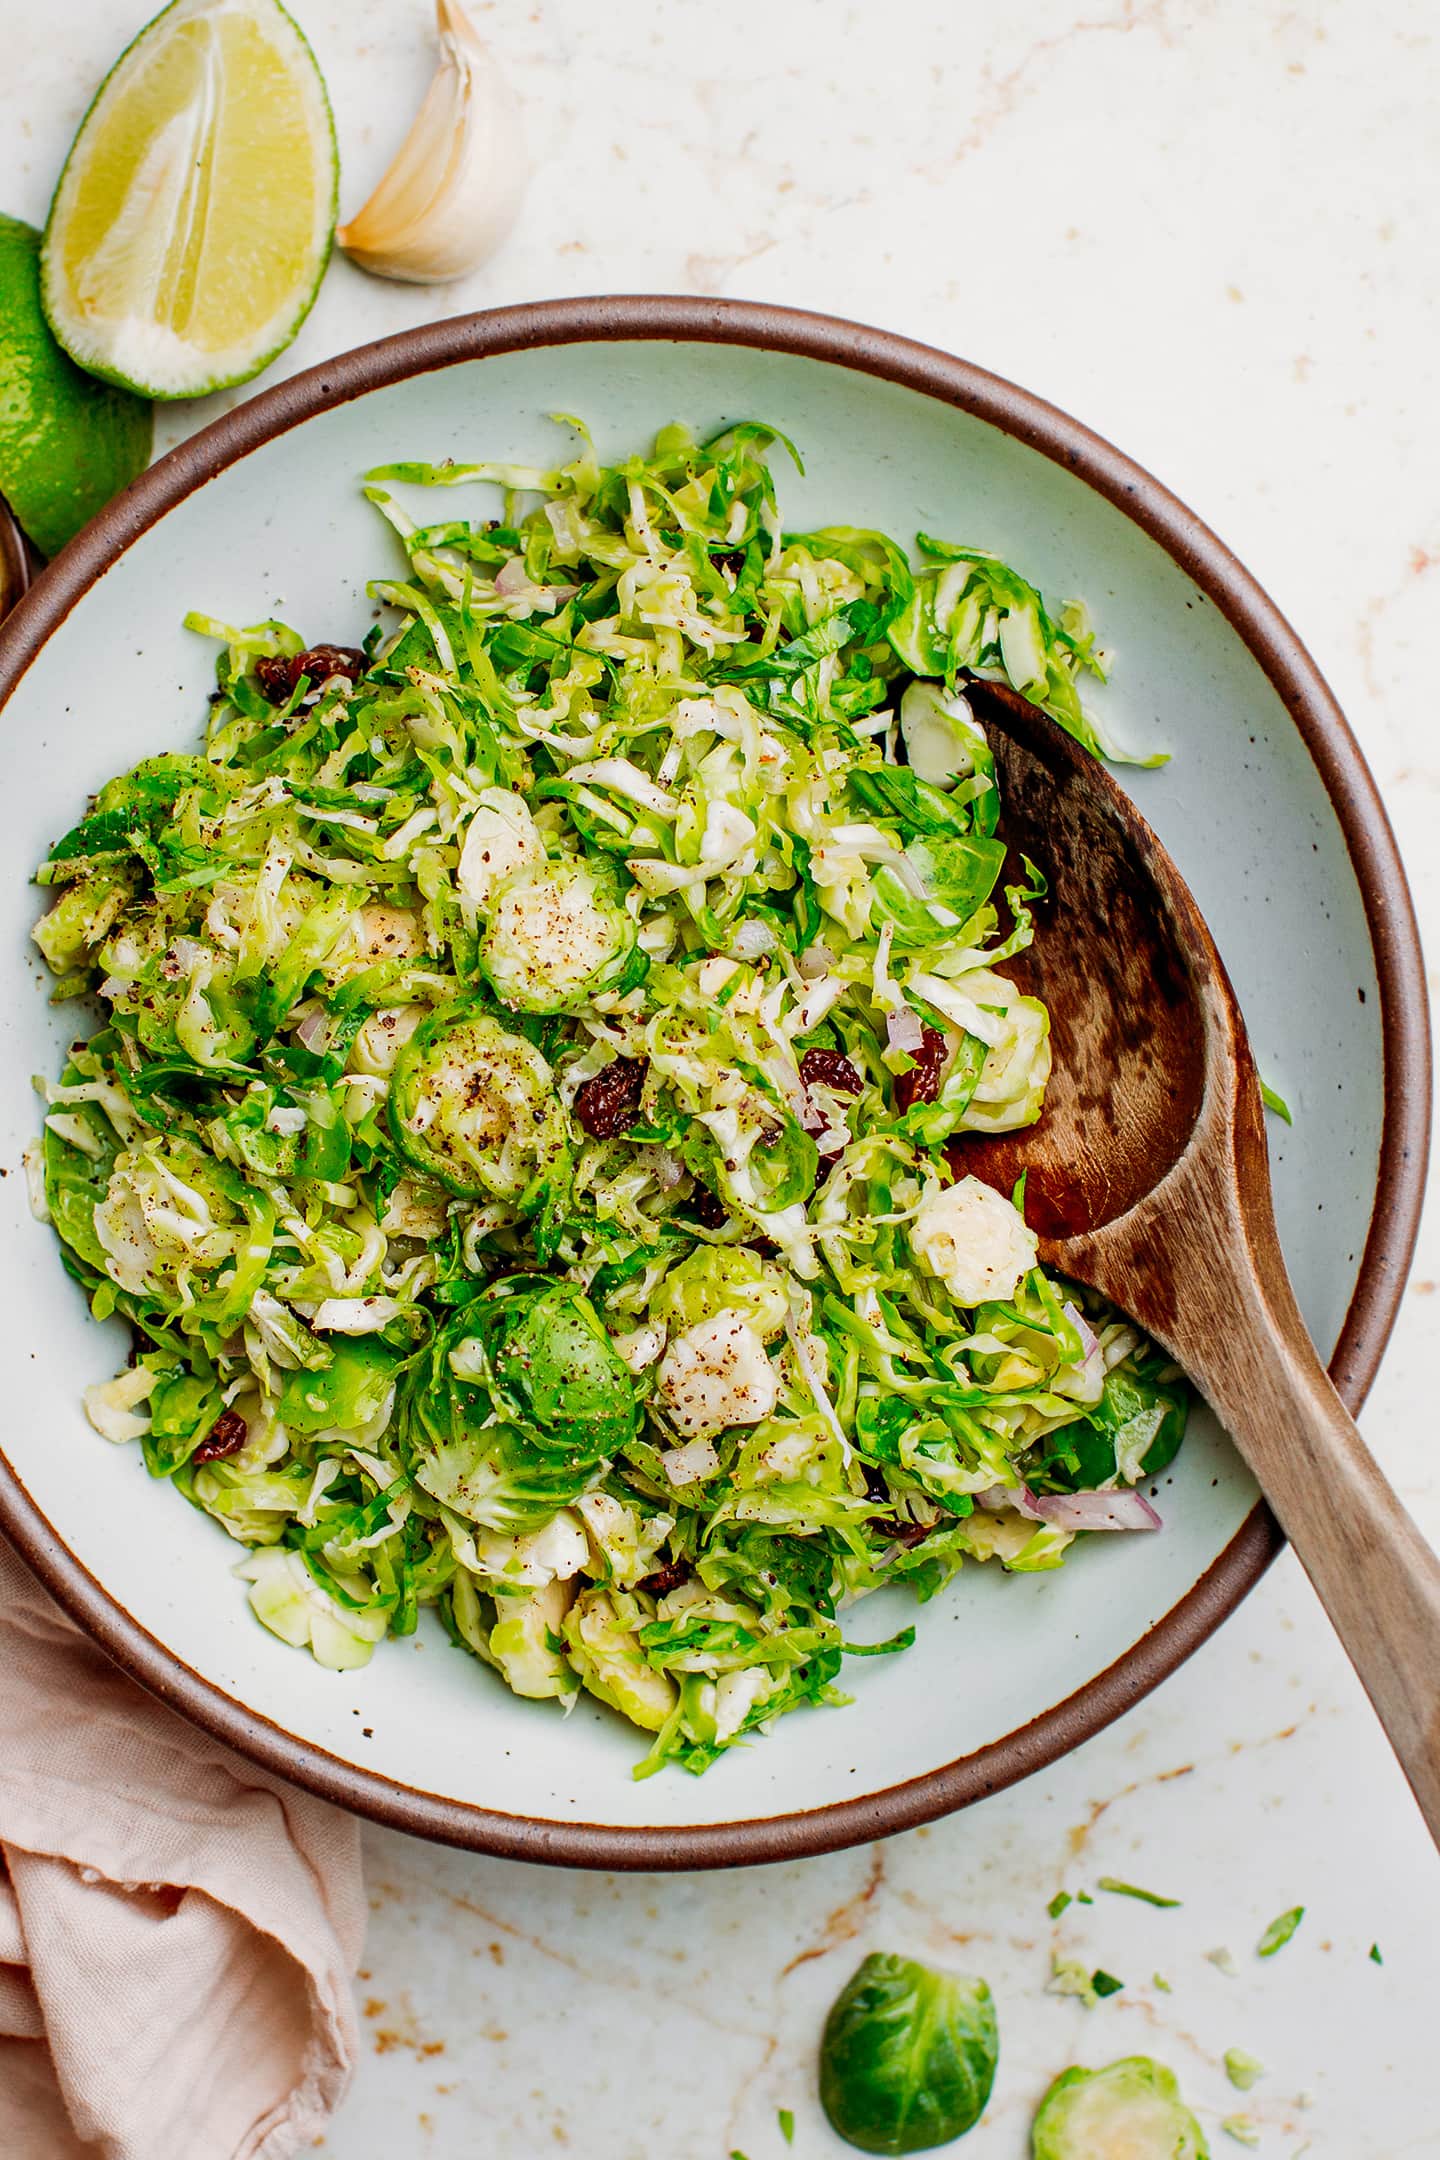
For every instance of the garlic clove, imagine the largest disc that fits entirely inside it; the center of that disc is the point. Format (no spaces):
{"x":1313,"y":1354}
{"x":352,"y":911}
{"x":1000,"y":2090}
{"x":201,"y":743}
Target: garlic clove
{"x":453,"y":191}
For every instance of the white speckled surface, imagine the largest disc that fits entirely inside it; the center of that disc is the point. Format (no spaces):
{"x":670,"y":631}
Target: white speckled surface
{"x":1210,"y":229}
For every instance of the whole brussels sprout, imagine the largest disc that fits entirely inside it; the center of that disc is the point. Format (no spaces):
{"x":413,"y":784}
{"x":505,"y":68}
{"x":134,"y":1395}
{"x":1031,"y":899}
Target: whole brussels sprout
{"x":908,"y":2057}
{"x":1131,"y":2110}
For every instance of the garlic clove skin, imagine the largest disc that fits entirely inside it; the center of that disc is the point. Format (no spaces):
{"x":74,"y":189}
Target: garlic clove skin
{"x":453,"y":191}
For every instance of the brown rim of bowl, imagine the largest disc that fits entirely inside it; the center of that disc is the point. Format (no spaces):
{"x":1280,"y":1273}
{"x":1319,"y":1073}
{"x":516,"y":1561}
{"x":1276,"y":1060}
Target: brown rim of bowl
{"x":1405,"y":1046}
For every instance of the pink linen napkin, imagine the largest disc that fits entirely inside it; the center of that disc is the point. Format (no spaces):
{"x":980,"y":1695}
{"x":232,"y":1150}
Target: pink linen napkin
{"x":177,"y":1928}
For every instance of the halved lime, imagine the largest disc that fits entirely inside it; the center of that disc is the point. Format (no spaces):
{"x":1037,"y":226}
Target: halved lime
{"x":67,"y":442}
{"x":193,"y":220}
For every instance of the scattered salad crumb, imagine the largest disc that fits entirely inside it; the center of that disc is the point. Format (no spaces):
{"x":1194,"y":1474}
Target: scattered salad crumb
{"x":1224,"y":1961}
{"x":1069,"y":1977}
{"x":1242,"y":2069}
{"x":1241,"y":2129}
{"x":786,"y":2119}
{"x":1061,"y":1901}
{"x":1276,"y":1102}
{"x":1158,"y":1980}
{"x":1279,"y":1932}
{"x":1375,"y":1957}
{"x":1117,"y":1888}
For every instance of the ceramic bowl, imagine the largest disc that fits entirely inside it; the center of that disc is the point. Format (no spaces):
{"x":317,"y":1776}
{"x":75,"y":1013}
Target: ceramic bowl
{"x":1266,"y":804}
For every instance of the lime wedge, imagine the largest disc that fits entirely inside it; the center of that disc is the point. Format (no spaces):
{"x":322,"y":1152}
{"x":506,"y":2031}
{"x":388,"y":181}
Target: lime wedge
{"x":67,"y":442}
{"x":193,"y":220}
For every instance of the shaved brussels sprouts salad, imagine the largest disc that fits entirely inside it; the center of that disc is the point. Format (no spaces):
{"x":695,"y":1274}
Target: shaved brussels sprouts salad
{"x":526,"y":1133}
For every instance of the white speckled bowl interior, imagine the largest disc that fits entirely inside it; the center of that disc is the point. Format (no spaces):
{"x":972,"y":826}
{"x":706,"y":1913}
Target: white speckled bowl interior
{"x":1009,"y":1670}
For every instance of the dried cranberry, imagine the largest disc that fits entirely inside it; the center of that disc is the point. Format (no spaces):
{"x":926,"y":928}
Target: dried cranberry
{"x":610,"y":1102}
{"x":666,"y":1578}
{"x":278,"y":676}
{"x":832,"y":1069}
{"x":226,"y":1437}
{"x":922,"y":1082}
{"x":875,"y":1484}
{"x":710,"y":1210}
{"x":909,"y":1534}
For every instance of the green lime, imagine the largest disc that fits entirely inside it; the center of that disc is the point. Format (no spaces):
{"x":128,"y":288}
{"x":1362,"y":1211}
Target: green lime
{"x":67,"y":442}
{"x":193,"y":220}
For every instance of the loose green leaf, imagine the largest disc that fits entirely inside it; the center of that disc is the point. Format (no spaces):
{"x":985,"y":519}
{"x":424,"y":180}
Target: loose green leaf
{"x":1124,"y":1889}
{"x":1242,"y":2069}
{"x":1273,"y":1100}
{"x":1279,"y":1932}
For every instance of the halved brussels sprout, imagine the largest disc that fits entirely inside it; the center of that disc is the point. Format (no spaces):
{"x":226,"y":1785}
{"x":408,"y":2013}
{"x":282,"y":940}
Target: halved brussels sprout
{"x":524,"y":1639}
{"x":349,"y":1392}
{"x":723,"y":1278}
{"x":476,"y":1107}
{"x":908,"y":2057}
{"x":552,"y":1366}
{"x":492,"y":1474}
{"x":517,"y":1400}
{"x":612,"y":1665}
{"x":171,"y":1214}
{"x":1132,"y":2110}
{"x":558,"y":935}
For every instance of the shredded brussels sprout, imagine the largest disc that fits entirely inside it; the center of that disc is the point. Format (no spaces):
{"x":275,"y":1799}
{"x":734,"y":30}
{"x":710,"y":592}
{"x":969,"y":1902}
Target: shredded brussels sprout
{"x":527,"y":1131}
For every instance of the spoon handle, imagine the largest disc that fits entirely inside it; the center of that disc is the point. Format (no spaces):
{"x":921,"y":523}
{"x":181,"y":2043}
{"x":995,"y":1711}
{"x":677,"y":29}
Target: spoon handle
{"x":1239,"y":1334}
{"x":1374,"y":1572}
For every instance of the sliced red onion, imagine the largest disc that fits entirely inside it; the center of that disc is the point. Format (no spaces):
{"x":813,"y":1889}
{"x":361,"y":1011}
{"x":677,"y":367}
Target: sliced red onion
{"x":1124,"y":1509}
{"x":513,"y":578}
{"x":903,"y":1030}
{"x":1089,"y":1340}
{"x":311,"y":1031}
{"x":514,"y":582}
{"x":1019,"y":1497}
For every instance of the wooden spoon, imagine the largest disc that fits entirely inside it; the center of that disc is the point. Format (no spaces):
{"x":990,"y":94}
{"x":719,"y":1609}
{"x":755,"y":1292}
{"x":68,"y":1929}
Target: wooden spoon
{"x":17,"y":561}
{"x":1148,"y":1179}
